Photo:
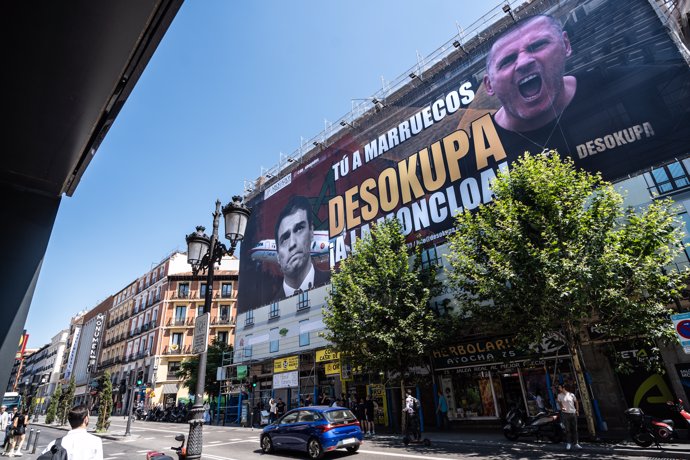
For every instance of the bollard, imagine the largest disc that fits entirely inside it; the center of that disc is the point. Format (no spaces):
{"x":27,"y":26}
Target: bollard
{"x":38,"y":432}
{"x":28,"y":443}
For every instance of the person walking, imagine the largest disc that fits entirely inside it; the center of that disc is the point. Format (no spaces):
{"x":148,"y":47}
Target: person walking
{"x":442,"y":409}
{"x":272,"y":410}
{"x":369,"y":414}
{"x":280,"y":405}
{"x":4,"y":422}
{"x":79,"y":444}
{"x":19,"y":423}
{"x":412,"y":416}
{"x":8,"y":430}
{"x":570,"y":409}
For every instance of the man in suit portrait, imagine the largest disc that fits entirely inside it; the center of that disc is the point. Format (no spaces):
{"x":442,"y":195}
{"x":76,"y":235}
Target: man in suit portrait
{"x":294,"y":234}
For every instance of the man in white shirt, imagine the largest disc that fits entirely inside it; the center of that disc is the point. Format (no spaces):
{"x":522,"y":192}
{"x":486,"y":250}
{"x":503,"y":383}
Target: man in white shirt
{"x":4,"y":422}
{"x":570,"y":409}
{"x":79,"y":444}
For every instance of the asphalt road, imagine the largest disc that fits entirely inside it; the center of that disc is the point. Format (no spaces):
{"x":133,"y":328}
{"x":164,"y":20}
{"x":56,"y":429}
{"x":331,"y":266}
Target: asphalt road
{"x":234,"y":443}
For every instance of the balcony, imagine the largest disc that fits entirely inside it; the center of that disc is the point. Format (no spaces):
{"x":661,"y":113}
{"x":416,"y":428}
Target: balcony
{"x":181,"y":295}
{"x":181,"y":322}
{"x":172,"y":350}
{"x":222,"y":321}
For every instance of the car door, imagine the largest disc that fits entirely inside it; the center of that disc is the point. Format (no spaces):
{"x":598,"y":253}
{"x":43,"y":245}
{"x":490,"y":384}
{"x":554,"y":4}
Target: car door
{"x":303,"y":428}
{"x":282,"y":433}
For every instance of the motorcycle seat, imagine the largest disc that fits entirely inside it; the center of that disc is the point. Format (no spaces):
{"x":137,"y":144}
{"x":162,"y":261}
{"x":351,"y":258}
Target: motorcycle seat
{"x":668,"y":422}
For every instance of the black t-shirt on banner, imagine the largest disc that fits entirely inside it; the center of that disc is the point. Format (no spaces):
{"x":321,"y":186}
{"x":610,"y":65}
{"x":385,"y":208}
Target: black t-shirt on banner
{"x":617,"y":120}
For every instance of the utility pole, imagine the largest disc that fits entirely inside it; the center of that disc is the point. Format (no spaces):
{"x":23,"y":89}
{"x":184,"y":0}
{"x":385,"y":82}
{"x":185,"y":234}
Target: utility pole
{"x":130,"y":402}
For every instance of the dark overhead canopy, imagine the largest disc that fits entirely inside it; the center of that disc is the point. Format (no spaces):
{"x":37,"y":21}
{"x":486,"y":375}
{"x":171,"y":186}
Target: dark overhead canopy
{"x":69,"y":68}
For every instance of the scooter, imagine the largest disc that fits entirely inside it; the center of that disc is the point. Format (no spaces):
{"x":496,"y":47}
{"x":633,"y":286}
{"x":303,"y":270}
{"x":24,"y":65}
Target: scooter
{"x":181,"y":451}
{"x":678,"y":407}
{"x":543,"y":424}
{"x":646,"y":430}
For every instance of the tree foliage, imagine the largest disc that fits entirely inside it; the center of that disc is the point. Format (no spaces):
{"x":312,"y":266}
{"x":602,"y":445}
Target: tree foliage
{"x":189,"y":368}
{"x":106,"y":403}
{"x":557,"y":251}
{"x":52,"y":410}
{"x":378,"y":314}
{"x":66,"y":401}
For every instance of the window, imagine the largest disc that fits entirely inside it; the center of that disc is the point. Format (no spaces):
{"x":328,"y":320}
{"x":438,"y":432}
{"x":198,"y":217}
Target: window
{"x":177,"y":338}
{"x":180,"y":315}
{"x":247,"y":347}
{"x":430,"y":258}
{"x":222,"y":336}
{"x":148,"y":280}
{"x":275,"y":311}
{"x":158,"y":293}
{"x":224,"y":314}
{"x":173,"y":369}
{"x":226,"y":290}
{"x":183,"y":290}
{"x":303,"y":336}
{"x":199,"y":310}
{"x":154,"y":316}
{"x":149,"y":347}
{"x":249,"y":319}
{"x":136,"y":305}
{"x":303,"y":300}
{"x":202,"y":290}
{"x":274,"y":336}
{"x":672,"y":176}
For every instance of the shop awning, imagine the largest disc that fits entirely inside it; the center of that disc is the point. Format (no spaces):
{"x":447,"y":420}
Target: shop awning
{"x":169,"y":388}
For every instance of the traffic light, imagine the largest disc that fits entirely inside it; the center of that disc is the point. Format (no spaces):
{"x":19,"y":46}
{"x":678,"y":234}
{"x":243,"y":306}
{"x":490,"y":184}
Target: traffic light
{"x":140,"y":378}
{"x":123,"y":386}
{"x":254,"y":381}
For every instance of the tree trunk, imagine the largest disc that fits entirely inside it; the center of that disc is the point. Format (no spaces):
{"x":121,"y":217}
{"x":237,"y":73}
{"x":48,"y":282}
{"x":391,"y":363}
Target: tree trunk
{"x":581,"y":382}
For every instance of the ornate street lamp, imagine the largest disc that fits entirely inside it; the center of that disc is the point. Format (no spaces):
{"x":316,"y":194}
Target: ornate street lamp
{"x":203,"y":253}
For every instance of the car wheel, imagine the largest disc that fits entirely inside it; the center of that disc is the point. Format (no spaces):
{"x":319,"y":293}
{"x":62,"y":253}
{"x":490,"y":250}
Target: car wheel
{"x":266,"y":444}
{"x":352,"y":449}
{"x":314,"y":449}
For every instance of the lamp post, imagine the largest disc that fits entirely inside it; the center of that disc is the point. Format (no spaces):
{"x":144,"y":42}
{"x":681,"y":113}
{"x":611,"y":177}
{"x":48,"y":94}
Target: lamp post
{"x":202,"y":254}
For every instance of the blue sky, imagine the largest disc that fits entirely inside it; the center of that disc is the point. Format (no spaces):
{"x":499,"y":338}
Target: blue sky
{"x":232,"y":84}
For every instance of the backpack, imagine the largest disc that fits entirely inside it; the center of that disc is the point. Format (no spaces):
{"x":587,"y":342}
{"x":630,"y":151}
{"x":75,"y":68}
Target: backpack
{"x":57,"y":452}
{"x":415,"y":405}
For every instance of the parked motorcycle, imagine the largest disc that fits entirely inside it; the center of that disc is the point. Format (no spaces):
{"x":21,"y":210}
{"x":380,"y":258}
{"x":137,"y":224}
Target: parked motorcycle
{"x":181,"y":451}
{"x":680,"y":409}
{"x":646,"y":430}
{"x":140,"y":413}
{"x":543,"y":424}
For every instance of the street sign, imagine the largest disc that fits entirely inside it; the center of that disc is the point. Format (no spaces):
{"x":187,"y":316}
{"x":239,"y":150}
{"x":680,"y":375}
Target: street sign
{"x":200,"y":343}
{"x":681,"y":324}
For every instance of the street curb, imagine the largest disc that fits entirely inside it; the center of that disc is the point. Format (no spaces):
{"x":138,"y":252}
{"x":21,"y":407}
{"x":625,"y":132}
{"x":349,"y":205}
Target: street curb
{"x":675,"y":452}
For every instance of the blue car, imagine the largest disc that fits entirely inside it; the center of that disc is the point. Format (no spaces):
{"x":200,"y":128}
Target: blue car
{"x":314,"y":430}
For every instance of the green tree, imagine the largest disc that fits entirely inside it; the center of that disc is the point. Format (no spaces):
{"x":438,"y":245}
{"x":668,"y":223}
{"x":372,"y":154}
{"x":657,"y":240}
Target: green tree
{"x":52,"y":410}
{"x":66,"y":402}
{"x":189,"y":368}
{"x":106,"y":404}
{"x":557,"y":252}
{"x":378,"y":315}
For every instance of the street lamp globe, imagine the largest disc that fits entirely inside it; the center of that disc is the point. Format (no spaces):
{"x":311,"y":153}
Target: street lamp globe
{"x":236,"y":215}
{"x":197,"y":246}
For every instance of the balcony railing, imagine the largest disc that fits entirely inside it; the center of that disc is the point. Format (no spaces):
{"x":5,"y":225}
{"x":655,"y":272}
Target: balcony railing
{"x":222,"y":321}
{"x":177,"y":322}
{"x":182,"y":295}
{"x":171,"y":350}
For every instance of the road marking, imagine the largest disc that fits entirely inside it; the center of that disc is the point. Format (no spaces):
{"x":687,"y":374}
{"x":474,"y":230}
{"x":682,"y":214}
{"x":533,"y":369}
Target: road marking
{"x":148,"y":439}
{"x":217,"y":457}
{"x":149,"y":429}
{"x":117,"y":454}
{"x":234,"y":442}
{"x":426,"y":457}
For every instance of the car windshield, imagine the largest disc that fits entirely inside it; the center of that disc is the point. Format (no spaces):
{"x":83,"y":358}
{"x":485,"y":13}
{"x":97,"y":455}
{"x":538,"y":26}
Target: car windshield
{"x":340,"y":416}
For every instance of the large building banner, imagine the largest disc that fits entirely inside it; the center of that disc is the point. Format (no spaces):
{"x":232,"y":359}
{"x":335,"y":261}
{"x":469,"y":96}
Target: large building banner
{"x":600,"y":81}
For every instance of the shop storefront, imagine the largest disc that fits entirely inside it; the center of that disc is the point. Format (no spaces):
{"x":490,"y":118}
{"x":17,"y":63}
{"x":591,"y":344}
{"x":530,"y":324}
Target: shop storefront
{"x":483,"y":379}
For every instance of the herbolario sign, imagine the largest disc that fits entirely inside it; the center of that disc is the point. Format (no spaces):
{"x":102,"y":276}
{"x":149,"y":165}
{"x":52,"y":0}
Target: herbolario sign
{"x":434,"y":146}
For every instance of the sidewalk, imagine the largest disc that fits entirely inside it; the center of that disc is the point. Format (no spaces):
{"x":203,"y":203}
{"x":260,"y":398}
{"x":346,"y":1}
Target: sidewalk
{"x":680,"y":448}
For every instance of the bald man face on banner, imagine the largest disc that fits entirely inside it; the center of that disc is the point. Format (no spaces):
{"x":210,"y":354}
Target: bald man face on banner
{"x":525,"y":70}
